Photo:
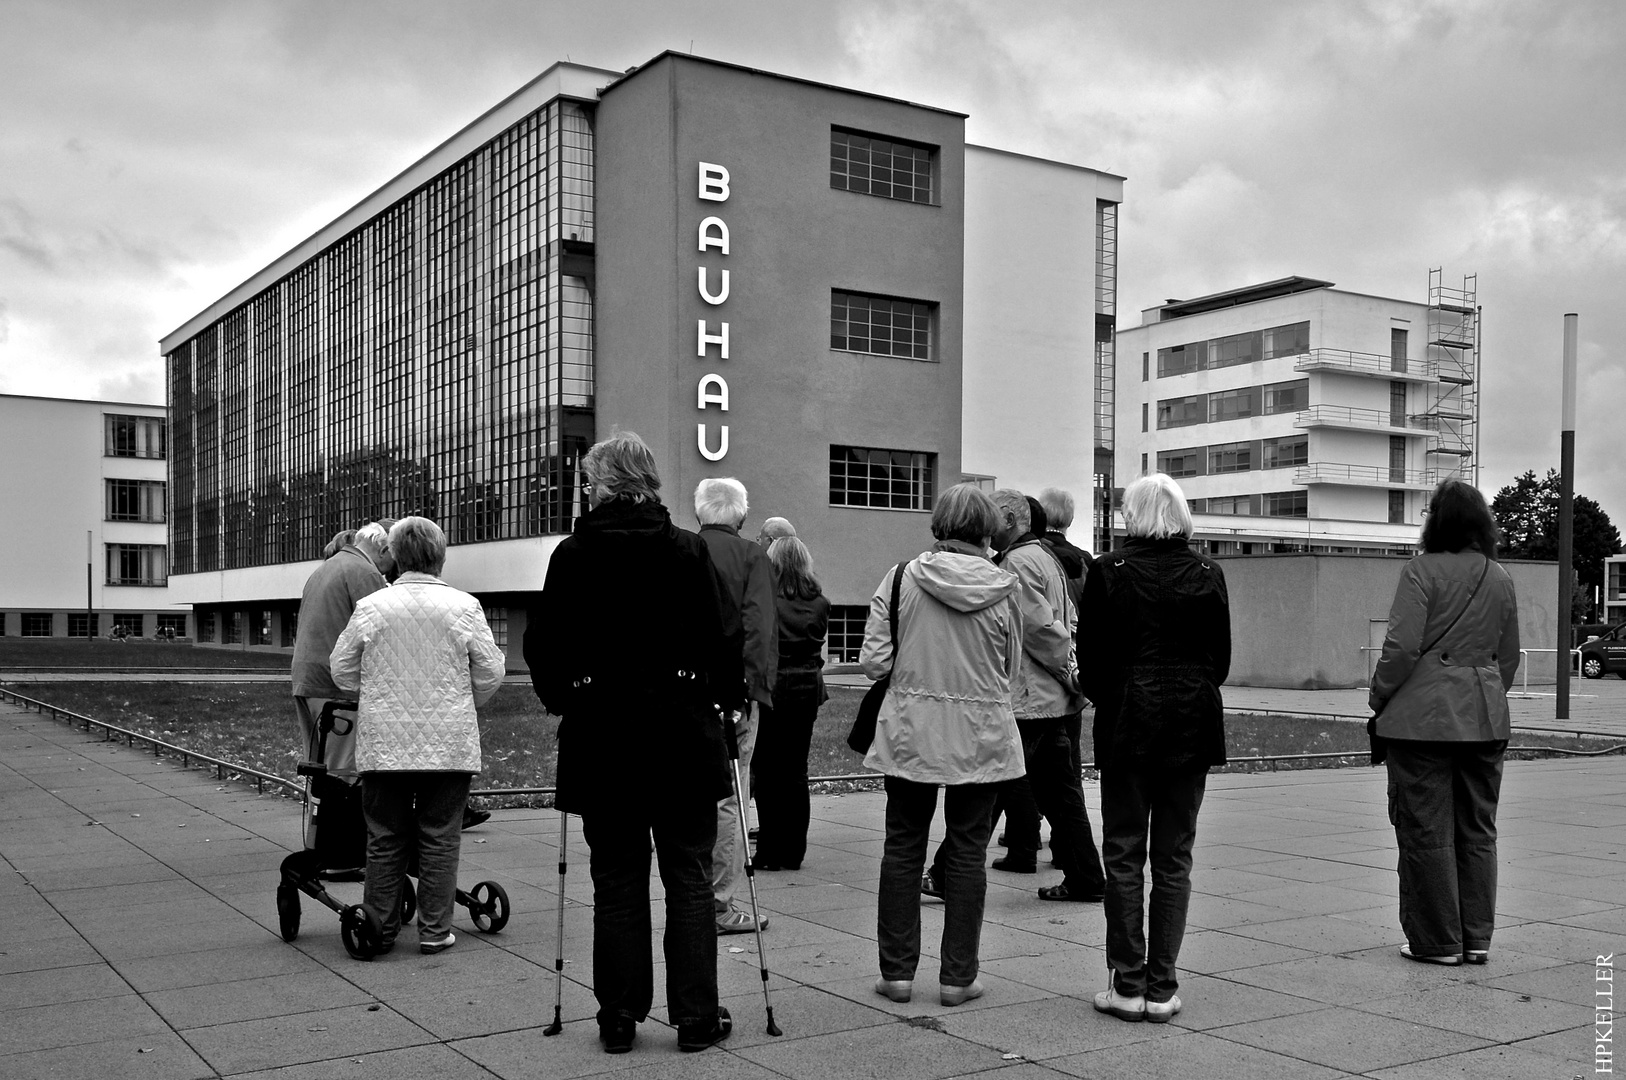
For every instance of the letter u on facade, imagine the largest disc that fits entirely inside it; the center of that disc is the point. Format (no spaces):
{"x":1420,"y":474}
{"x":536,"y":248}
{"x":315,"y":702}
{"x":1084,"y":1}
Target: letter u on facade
{"x":722,"y":443}
{"x":706,"y":294}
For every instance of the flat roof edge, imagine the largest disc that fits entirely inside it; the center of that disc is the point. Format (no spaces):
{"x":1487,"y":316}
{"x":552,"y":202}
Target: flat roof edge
{"x":676,"y":55}
{"x":561,"y":79}
{"x":86,"y":401}
{"x":1046,"y":161}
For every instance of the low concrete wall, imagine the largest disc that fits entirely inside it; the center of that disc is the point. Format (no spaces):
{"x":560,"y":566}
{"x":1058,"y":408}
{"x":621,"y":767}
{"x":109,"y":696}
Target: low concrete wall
{"x":1301,"y":621}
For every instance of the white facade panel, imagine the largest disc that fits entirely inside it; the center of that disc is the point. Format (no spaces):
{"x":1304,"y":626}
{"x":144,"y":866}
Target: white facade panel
{"x":1029,"y":329}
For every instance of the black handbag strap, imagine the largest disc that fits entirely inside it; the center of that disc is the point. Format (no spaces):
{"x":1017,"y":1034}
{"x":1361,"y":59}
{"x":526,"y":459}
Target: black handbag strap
{"x":892,"y":610}
{"x":1453,"y":623}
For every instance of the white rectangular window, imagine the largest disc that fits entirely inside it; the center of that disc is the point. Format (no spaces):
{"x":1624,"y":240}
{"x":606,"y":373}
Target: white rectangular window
{"x":882,"y":325}
{"x":137,"y":564}
{"x":888,"y":168}
{"x":135,"y":436}
{"x":135,"y":500}
{"x":882,"y":479}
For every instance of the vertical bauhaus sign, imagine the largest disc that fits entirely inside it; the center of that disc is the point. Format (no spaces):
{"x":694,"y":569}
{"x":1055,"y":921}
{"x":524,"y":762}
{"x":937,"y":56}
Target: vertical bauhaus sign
{"x":713,"y":284}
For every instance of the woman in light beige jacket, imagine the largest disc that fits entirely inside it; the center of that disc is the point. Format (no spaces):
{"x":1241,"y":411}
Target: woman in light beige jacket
{"x":1440,"y":697}
{"x":947,"y":720}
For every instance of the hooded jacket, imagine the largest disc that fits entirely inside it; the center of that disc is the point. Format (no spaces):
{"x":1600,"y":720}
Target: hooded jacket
{"x":962,"y":622}
{"x":1457,"y":690}
{"x":1046,"y":686}
{"x":330,"y":598}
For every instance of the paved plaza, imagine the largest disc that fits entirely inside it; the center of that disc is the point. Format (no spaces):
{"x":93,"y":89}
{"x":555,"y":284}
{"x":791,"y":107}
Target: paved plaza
{"x":142,"y":943}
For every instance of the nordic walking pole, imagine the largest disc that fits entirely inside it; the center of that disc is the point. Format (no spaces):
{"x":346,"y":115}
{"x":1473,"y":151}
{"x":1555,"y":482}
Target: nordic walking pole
{"x":558,"y":1024}
{"x":750,"y":871}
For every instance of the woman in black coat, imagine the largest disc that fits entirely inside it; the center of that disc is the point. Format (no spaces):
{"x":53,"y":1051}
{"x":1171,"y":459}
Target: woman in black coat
{"x":785,"y":731}
{"x":1154,"y":646}
{"x":627,"y":645}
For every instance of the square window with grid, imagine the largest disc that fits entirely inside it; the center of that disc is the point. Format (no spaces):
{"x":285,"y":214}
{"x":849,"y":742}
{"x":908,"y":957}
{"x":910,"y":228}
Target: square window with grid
{"x":887,"y":168}
{"x":881,"y":325}
{"x":82,"y":624}
{"x":36,"y":624}
{"x":171,"y":626}
{"x":881,"y":479}
{"x":497,"y":619}
{"x":845,"y":636}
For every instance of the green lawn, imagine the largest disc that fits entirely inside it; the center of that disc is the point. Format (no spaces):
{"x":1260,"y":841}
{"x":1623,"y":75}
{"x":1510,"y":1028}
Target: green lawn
{"x":57,"y":654}
{"x":253,"y":724}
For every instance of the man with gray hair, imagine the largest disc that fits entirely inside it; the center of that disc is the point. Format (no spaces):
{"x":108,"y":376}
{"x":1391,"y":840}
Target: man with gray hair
{"x":1047,"y":702}
{"x":354,"y":571}
{"x":749,"y":621}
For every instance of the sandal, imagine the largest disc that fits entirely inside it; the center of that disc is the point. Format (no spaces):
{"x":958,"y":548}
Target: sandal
{"x":1062,"y":892}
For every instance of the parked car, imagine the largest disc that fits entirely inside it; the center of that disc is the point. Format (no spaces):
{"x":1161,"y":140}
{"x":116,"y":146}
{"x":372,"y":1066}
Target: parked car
{"x":1605,"y":653}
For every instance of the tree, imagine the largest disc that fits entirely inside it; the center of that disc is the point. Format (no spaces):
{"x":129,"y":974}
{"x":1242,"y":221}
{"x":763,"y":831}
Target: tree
{"x":1526,"y":512}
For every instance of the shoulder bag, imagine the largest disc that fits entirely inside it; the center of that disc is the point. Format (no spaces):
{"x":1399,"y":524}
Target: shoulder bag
{"x":1380,"y":747}
{"x":869,"y":709}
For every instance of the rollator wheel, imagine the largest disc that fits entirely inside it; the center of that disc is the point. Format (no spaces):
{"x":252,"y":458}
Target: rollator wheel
{"x":288,"y":911}
{"x":488,"y":907}
{"x":409,"y":901}
{"x":363,"y":936}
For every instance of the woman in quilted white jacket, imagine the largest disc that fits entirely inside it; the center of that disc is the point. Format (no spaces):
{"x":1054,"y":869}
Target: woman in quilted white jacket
{"x":420,"y":657}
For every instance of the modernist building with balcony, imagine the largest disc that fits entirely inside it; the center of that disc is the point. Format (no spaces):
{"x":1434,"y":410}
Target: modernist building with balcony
{"x":1301,"y":417}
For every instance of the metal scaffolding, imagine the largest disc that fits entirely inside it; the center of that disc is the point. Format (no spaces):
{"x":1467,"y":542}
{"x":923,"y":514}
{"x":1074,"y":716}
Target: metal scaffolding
{"x":1452,"y":412}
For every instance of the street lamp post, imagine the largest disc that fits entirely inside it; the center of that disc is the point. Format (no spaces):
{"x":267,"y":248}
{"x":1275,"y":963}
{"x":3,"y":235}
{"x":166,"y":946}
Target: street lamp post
{"x":1566,"y":520}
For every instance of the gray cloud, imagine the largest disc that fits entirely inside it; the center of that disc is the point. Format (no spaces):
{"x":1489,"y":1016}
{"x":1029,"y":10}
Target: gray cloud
{"x":165,"y":151}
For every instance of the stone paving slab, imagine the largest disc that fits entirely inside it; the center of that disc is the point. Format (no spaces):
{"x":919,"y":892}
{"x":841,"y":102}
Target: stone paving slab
{"x":147,"y":946}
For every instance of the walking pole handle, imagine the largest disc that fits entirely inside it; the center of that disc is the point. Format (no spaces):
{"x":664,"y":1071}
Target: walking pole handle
{"x":730,"y":733}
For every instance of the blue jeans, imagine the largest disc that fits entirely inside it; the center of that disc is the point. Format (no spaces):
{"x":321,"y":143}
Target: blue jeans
{"x":1140,"y":807}
{"x":1442,"y":803}
{"x":967,"y":814}
{"x":684,"y":828}
{"x":409,"y":812}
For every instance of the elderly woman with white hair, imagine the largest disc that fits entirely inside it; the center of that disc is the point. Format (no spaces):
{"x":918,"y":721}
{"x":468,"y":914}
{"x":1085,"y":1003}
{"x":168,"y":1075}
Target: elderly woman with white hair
{"x":1154,"y":647}
{"x":420,"y":657}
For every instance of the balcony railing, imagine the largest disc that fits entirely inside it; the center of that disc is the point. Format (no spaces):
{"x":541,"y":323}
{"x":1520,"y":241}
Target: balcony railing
{"x":1371,"y":365}
{"x":1337,"y":472}
{"x":1348,"y":416}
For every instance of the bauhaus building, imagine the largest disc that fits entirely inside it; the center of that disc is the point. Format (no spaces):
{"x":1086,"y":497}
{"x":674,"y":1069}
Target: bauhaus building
{"x":825,"y":293}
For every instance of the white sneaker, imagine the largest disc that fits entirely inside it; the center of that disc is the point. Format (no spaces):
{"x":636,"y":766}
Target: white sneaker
{"x":894,"y":989}
{"x":959,"y":995}
{"x":1160,"y":1012}
{"x":437,"y":946}
{"x":738,"y":922}
{"x":1132,"y":1009}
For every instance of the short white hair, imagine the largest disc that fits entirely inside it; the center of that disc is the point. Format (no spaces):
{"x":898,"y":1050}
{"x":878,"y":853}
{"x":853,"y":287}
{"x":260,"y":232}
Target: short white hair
{"x":1155,"y":506}
{"x":372,"y":537}
{"x":720,"y":501}
{"x":1058,"y":508}
{"x":1013,"y":502}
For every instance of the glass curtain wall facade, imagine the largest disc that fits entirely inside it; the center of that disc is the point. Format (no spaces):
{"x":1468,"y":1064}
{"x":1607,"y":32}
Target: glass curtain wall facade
{"x":438,"y":360}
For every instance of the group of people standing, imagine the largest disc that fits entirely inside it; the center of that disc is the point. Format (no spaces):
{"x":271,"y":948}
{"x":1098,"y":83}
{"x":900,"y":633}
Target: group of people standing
{"x":667,"y":652}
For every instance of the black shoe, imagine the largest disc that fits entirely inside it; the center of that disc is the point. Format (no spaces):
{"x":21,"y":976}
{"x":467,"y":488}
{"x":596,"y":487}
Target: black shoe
{"x":929,"y":887}
{"x":1016,"y":864}
{"x":1065,"y":891}
{"x":473,"y":817}
{"x":698,"y":1034}
{"x":616,"y":1033}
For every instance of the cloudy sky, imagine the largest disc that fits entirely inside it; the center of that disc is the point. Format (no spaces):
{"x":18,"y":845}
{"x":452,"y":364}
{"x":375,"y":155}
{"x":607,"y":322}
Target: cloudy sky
{"x":154,"y":154}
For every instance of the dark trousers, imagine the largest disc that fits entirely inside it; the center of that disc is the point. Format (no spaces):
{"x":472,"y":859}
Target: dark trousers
{"x":780,"y":765}
{"x":1153,"y":809}
{"x":1059,"y":794}
{"x":411,"y":812}
{"x":618,"y":840}
{"x":967,"y":814}
{"x":1442,"y":803}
